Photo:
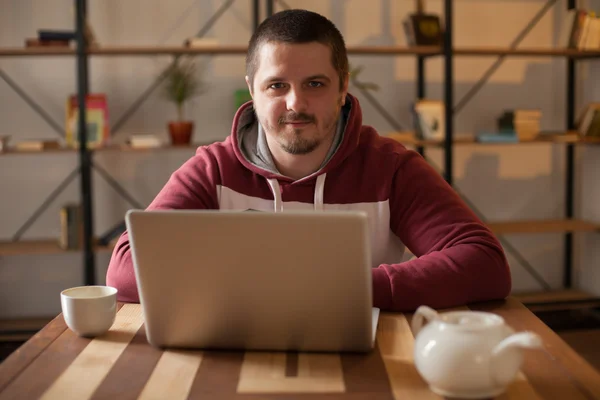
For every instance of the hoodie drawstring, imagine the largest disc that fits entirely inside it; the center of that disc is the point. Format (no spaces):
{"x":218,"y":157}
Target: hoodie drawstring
{"x":319,"y":189}
{"x":318,"y":199}
{"x":278,"y":205}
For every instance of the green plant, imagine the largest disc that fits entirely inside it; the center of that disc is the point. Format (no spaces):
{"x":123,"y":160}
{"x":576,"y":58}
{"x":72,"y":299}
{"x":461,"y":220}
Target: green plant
{"x":182,"y":83}
{"x":354,"y":72}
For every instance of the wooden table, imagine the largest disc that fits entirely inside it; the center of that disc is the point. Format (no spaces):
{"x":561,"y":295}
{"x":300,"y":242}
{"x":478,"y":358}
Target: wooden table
{"x":57,"y":364}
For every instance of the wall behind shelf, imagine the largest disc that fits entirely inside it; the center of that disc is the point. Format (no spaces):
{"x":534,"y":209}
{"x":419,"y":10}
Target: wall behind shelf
{"x":504,"y":182}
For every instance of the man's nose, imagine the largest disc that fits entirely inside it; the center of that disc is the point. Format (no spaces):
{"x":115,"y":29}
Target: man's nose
{"x":296,"y":101}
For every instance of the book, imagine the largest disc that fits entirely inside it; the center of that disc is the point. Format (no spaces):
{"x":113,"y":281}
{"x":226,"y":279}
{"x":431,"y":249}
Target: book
{"x":53,"y":34}
{"x":497,"y":137}
{"x":71,"y":227}
{"x":98,"y":132}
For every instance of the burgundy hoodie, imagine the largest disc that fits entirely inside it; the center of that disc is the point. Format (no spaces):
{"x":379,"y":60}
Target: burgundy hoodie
{"x":458,"y":260}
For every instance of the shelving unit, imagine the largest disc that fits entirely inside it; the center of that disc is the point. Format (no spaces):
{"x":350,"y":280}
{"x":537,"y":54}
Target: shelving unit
{"x":565,"y":136}
{"x":352,"y":50}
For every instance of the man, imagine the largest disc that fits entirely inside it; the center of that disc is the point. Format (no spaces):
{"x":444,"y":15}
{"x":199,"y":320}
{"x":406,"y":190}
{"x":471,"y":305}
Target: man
{"x":300,"y":144}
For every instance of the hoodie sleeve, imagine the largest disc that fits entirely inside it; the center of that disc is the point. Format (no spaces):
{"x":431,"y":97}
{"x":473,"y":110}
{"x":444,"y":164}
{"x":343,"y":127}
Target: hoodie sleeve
{"x":192,"y":186}
{"x":458,"y":259}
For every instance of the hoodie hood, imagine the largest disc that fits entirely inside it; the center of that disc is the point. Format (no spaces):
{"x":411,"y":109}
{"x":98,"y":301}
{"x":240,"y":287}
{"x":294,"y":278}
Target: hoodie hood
{"x":251,"y":149}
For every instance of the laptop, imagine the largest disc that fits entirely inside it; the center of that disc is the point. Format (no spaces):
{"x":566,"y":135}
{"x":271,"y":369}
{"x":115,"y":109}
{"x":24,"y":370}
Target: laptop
{"x":290,"y":281}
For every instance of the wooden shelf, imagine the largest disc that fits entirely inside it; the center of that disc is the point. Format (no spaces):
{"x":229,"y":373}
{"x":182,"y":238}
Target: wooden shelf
{"x":36,"y":51}
{"x":543,"y":226}
{"x":38,"y":247}
{"x":554,"y":300}
{"x":353,"y":50}
{"x":408,"y":138}
{"x":241,"y":50}
{"x":116,"y":147}
{"x":525,"y":52}
{"x":20,"y":330}
{"x":166,"y":50}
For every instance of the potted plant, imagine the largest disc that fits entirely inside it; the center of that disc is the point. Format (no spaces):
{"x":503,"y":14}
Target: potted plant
{"x":182,"y":84}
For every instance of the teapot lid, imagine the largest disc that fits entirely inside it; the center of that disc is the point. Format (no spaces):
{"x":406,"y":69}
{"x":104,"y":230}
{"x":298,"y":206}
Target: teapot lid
{"x":470,"y":320}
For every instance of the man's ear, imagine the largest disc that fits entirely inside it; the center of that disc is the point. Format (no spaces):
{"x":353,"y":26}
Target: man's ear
{"x":249,"y":86}
{"x":344,"y":90}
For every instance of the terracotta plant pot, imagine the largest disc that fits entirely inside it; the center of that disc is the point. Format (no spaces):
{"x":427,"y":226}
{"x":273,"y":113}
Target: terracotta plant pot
{"x":181,"y":132}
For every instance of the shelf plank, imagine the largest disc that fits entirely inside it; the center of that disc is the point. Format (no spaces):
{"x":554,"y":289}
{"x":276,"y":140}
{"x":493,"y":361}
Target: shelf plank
{"x":552,"y":296}
{"x":408,"y":138}
{"x":20,"y":330}
{"x":48,"y":246}
{"x":525,"y":52}
{"x":166,"y":50}
{"x":124,"y":147}
{"x":353,"y":50}
{"x":543,"y":226}
{"x":241,"y":50}
{"x":115,"y":147}
{"x":556,"y":300}
{"x":36,"y":51}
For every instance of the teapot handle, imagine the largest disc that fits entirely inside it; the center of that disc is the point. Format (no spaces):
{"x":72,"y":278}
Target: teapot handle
{"x":417,"y":319}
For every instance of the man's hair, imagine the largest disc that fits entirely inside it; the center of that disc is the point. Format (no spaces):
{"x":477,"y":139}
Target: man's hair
{"x":298,"y":26}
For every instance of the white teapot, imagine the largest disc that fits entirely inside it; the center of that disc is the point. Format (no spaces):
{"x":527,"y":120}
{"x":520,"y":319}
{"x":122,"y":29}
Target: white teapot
{"x":468,"y":354}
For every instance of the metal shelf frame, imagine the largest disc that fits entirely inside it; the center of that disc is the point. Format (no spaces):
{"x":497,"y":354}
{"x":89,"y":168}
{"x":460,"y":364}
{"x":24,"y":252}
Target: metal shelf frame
{"x":448,"y":51}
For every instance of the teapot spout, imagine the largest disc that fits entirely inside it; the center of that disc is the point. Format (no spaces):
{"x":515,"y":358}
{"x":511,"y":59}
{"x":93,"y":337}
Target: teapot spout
{"x":507,"y":355}
{"x":522,"y":340}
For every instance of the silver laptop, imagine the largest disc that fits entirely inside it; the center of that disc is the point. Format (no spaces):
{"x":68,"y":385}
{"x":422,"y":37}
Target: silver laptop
{"x":297,"y":280}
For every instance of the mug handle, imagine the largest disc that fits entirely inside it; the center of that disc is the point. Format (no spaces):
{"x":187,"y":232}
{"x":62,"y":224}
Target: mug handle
{"x":423,"y":312}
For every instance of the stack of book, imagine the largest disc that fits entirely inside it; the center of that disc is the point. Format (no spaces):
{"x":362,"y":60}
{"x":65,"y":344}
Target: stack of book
{"x":580,"y":29}
{"x":588,"y":123}
{"x":71,"y":226}
{"x":51,"y":38}
{"x":524,"y":122}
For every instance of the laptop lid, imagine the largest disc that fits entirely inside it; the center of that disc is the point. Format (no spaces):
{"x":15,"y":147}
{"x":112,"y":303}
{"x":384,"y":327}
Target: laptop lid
{"x":297,"y":280}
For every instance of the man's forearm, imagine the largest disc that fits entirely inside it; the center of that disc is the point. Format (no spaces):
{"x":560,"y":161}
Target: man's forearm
{"x":452,"y":277}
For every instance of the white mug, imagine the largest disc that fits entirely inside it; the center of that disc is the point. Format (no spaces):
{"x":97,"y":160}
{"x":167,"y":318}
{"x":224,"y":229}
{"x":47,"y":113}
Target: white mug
{"x":89,"y":310}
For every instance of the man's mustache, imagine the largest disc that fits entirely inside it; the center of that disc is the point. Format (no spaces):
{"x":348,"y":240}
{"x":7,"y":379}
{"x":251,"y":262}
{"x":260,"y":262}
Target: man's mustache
{"x":296,"y":117}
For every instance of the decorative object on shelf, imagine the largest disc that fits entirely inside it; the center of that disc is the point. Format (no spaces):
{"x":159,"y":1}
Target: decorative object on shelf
{"x":36,"y":145}
{"x":422,"y":29}
{"x":588,"y":123}
{"x":524,"y":122}
{"x":71,"y":227}
{"x":497,"y":137}
{"x":98,"y":132}
{"x":429,"y":119}
{"x":354,"y":73}
{"x":580,"y":29}
{"x":183,"y":83}
{"x":195,"y":42}
{"x":4,"y":143}
{"x":144,"y":141}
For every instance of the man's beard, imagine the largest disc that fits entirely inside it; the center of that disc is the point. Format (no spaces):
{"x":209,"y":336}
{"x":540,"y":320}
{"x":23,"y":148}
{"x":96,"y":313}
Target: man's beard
{"x":295,"y":143}
{"x":300,"y":145}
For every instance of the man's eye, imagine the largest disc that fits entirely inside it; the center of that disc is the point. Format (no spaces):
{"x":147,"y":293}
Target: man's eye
{"x":315,"y":84}
{"x":276,"y":86}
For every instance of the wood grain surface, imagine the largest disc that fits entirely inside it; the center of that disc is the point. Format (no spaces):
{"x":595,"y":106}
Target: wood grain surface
{"x":57,"y":364}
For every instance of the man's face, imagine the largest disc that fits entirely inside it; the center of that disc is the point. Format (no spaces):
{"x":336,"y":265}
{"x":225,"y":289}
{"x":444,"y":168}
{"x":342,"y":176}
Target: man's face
{"x":297,"y":95}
